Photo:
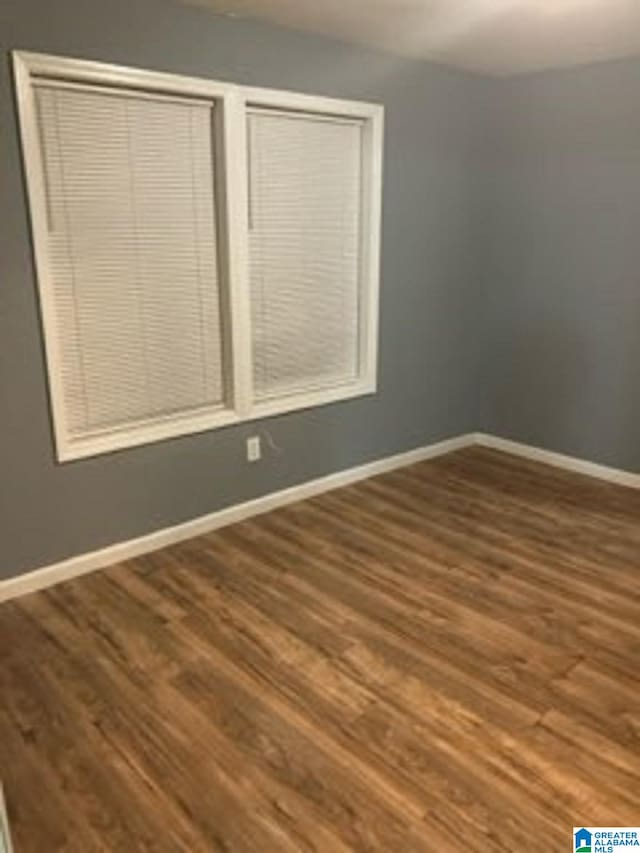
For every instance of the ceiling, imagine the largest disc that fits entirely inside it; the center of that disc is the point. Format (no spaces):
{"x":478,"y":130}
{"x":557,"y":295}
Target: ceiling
{"x":498,"y":37}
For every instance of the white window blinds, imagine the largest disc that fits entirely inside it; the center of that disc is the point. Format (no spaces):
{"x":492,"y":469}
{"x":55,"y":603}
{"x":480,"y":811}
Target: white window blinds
{"x":305,"y":198}
{"x":206,"y":253}
{"x":129,"y":183}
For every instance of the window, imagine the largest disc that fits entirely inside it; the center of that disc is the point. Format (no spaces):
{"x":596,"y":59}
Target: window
{"x":206,"y":253}
{"x":132,"y":254}
{"x":304,"y":205}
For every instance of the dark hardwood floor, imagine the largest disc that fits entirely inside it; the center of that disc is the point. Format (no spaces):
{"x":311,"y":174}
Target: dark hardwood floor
{"x":444,"y":658}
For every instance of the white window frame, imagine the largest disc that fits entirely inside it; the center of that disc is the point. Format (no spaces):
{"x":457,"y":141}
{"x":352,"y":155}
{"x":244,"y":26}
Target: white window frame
{"x":232,"y":203}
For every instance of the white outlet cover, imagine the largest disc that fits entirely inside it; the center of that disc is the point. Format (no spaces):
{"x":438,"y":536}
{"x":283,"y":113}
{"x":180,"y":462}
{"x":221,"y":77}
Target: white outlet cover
{"x":253,"y":448}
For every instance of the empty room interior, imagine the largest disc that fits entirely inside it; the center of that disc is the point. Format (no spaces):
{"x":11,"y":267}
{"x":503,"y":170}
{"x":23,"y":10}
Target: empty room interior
{"x":320,"y":426}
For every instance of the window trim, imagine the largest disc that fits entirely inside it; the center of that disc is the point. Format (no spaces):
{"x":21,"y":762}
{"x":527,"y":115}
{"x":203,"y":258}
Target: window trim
{"x":232,"y":102}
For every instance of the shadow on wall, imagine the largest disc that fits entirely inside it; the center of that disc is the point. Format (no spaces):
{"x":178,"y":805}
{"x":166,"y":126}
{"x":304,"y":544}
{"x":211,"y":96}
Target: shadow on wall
{"x":552,"y":388}
{"x":630,"y":414}
{"x":539,"y":383}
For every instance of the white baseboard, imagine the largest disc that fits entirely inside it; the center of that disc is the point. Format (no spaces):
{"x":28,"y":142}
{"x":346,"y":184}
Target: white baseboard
{"x":90,"y":562}
{"x":5,"y":836}
{"x":559,"y":460}
{"x":85,"y":563}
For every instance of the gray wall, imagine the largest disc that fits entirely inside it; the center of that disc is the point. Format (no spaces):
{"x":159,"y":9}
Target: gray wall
{"x":562,"y":263}
{"x":429,"y":341}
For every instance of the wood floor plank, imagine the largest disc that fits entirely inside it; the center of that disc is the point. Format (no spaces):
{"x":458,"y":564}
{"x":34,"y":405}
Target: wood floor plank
{"x":141,"y":730}
{"x":443,"y":658}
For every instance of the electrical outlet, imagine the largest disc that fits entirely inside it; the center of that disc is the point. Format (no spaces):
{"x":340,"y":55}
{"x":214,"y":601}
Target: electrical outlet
{"x":254,"y":452}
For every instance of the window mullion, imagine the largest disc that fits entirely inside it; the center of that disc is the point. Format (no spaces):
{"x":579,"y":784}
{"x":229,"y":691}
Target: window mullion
{"x":236,"y":204}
